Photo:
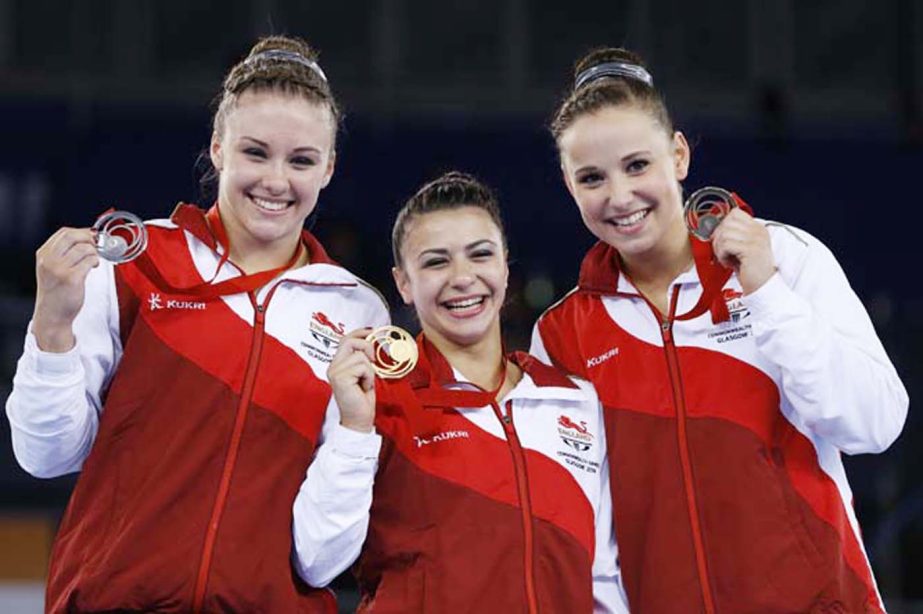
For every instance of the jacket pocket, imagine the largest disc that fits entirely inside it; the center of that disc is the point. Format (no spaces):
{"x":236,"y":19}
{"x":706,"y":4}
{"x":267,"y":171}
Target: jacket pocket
{"x":795,"y":508}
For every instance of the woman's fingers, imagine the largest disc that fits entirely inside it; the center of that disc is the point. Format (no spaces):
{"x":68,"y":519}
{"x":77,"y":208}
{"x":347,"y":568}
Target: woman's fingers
{"x":66,"y":238}
{"x":353,"y":343}
{"x":64,"y":250}
{"x":743,"y":244}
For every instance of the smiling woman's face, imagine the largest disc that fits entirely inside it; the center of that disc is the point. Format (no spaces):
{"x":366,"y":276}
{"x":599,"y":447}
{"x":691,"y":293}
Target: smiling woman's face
{"x":623,"y":170}
{"x":454,"y":272}
{"x":274,"y":157}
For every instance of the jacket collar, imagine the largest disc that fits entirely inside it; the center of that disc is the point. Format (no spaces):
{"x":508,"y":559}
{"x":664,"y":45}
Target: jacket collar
{"x":206,"y":226}
{"x":539,"y":380}
{"x":601,"y":273}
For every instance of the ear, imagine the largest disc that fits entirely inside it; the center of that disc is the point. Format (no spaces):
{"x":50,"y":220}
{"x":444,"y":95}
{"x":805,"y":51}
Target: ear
{"x":403,"y":284}
{"x":328,"y":172}
{"x":215,"y":152}
{"x":681,"y":155}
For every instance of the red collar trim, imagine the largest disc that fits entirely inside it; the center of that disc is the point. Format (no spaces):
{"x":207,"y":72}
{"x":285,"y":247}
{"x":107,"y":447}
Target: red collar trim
{"x":433,"y":370}
{"x":542,"y":375}
{"x":600,"y":270}
{"x":316,"y":252}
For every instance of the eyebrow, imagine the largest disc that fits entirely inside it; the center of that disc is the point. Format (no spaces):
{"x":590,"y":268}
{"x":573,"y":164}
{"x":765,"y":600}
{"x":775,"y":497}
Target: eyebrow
{"x":625,"y":158}
{"x":266,"y":145}
{"x":441,"y":251}
{"x":636,"y":154}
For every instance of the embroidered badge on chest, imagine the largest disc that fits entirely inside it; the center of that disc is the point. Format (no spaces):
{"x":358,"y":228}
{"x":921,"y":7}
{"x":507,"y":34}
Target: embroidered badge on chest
{"x":737,"y":327}
{"x":575,"y":435}
{"x":325,"y":336}
{"x":734,"y":301}
{"x":578,"y":438}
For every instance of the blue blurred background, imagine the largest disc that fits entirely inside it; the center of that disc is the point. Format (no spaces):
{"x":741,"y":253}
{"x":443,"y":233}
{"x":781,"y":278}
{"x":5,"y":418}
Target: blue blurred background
{"x":813,"y":112}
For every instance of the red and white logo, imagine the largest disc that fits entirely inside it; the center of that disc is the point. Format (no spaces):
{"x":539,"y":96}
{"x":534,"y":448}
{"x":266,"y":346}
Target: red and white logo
{"x":325,"y":330}
{"x":321,"y":318}
{"x":575,"y":435}
{"x":734,"y":301}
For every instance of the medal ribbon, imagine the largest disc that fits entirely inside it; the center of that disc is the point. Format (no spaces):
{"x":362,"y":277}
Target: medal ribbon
{"x":713,"y":276}
{"x":398,"y":396}
{"x":218,"y":235}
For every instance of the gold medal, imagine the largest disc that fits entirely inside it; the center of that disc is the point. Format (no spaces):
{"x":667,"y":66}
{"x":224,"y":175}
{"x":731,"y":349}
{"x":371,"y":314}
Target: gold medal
{"x":395,"y":351}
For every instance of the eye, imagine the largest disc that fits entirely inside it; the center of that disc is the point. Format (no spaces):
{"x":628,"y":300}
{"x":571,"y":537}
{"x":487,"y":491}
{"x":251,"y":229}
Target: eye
{"x":590,"y":179}
{"x":431,"y":263}
{"x":482,"y":254}
{"x":303,"y":161}
{"x":637,"y":166}
{"x":255,"y":152}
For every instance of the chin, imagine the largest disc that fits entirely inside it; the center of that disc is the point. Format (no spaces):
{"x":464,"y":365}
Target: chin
{"x":630,"y":246}
{"x":466,"y":337}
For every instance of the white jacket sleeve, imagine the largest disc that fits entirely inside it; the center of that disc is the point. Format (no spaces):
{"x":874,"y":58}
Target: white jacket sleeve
{"x":331,"y":510}
{"x":54,"y":406}
{"x":835,"y":373}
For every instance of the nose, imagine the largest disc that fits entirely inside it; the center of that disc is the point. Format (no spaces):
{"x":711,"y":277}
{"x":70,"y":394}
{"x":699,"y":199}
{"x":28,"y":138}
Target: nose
{"x":275,"y":179}
{"x":462,"y":273}
{"x":620,"y":193}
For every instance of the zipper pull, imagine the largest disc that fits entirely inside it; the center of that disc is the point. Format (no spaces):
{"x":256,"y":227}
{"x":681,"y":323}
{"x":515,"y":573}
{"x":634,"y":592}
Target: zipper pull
{"x":666,"y":326}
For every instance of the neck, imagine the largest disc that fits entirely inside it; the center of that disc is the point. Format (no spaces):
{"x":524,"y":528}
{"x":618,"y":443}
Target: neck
{"x":658,"y":267}
{"x":254,"y":256}
{"x":258,"y":259}
{"x":480,"y":362}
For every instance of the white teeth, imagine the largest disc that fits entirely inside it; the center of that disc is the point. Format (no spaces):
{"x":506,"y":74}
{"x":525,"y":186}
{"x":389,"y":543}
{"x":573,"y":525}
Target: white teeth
{"x":269,"y":205}
{"x":471,"y":302}
{"x":634,"y":218}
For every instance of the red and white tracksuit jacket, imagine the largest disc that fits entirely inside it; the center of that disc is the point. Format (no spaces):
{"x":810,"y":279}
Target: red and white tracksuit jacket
{"x":477,"y":506}
{"x":725,"y":437}
{"x":192,"y":423}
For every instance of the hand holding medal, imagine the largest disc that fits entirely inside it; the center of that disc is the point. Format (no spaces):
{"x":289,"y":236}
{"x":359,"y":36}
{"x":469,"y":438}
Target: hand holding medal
{"x":387,"y":352}
{"x":62,"y":264}
{"x":741,"y":243}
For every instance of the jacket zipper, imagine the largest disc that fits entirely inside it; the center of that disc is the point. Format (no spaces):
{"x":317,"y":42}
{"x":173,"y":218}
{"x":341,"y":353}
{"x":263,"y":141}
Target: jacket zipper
{"x":679,"y":400}
{"x":525,"y":503}
{"x":243,"y":405}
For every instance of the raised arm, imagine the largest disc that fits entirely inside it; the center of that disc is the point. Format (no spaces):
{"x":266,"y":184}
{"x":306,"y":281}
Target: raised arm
{"x":331,"y":510}
{"x":71,"y":349}
{"x":836,"y":375}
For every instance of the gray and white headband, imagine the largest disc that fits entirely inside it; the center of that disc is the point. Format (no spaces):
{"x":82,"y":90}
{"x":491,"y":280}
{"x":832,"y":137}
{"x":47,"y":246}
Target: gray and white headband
{"x":614,"y":69}
{"x":290,"y":56}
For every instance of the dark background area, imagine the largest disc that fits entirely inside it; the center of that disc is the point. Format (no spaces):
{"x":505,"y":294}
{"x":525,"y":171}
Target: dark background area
{"x":811,"y":111}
